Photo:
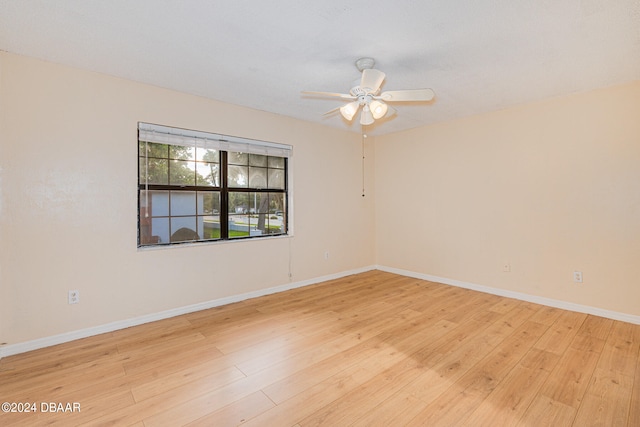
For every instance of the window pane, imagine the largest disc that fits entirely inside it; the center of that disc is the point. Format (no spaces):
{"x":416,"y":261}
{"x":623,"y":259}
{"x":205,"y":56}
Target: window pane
{"x":208,"y":155}
{"x":238,"y":176}
{"x":276,"y":179}
{"x":260,"y":202}
{"x":277,"y":223}
{"x":208,"y":203}
{"x":154,"y":203}
{"x":277,"y":203}
{"x":257,"y":160}
{"x":235,"y":158}
{"x":153,"y":149}
{"x":238,"y":202}
{"x":259,"y":220}
{"x":144,"y":228}
{"x":153,"y":171}
{"x":276,"y":162}
{"x":182,"y":153}
{"x":238,"y":226}
{"x":183,"y":203}
{"x":208,"y":174}
{"x":211,"y":227}
{"x":183,"y":229}
{"x":209,"y":223}
{"x":160,"y":229}
{"x":182,"y":172}
{"x":258,"y":225}
{"x":257,"y":177}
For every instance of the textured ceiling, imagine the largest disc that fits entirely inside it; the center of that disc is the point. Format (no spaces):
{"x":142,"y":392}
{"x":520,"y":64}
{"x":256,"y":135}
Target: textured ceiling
{"x":478,"y":55}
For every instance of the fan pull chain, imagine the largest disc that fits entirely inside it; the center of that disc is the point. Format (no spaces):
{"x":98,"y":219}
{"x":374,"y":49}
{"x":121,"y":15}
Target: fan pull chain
{"x":364,"y":135}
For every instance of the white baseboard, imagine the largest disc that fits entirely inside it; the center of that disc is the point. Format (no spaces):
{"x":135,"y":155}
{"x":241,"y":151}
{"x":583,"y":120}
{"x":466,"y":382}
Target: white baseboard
{"x":9,"y":350}
{"x":629,"y":318}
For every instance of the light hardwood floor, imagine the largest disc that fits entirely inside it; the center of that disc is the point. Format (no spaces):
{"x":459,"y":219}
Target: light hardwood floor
{"x":373,"y":349}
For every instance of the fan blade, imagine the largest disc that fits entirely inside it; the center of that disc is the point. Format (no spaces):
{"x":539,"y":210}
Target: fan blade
{"x":331,"y":94}
{"x":371,"y":80}
{"x":390,"y":111}
{"x":333,"y":110}
{"x":408,"y":95}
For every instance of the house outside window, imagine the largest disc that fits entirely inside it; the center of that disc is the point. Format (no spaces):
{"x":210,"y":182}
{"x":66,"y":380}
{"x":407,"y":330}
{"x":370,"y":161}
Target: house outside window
{"x":197,"y":187}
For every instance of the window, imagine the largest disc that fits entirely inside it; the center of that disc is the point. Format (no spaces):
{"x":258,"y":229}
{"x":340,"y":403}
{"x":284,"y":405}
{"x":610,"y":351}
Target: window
{"x":196,"y":186}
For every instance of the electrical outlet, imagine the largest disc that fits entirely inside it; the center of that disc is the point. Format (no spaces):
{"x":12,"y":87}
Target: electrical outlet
{"x":326,"y":255}
{"x":577,"y":276}
{"x":74,"y":297}
{"x":506,"y":267}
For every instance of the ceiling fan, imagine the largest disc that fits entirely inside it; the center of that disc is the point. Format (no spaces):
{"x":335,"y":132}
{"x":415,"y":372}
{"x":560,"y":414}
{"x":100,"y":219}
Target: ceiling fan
{"x":365,"y":95}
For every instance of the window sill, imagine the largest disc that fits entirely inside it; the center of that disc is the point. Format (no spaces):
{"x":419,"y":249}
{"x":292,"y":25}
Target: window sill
{"x":209,"y":243}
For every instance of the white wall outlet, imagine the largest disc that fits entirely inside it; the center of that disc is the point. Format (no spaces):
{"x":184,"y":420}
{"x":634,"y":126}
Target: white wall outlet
{"x":577,"y":276}
{"x":326,"y":255}
{"x":74,"y":297}
{"x":506,"y":267}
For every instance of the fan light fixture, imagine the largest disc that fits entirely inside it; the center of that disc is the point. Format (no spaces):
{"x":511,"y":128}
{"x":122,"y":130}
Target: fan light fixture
{"x":372,"y":110}
{"x":366,"y":118}
{"x":349,"y":110}
{"x":366,"y":94}
{"x":378,"y":109}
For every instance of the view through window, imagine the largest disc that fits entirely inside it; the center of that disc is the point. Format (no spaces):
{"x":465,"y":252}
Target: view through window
{"x":192,"y":190}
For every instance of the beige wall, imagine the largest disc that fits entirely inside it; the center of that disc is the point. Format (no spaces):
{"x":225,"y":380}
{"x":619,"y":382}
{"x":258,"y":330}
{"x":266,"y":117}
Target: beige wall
{"x":68,"y":177}
{"x":550,"y":187}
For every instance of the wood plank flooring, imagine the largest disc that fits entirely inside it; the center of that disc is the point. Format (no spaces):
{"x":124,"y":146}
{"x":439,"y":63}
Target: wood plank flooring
{"x":373,"y":349}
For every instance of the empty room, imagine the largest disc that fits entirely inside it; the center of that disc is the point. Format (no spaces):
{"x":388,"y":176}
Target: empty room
{"x":331,"y":213}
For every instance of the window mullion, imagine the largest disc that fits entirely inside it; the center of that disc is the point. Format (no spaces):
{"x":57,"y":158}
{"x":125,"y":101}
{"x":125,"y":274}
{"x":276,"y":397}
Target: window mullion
{"x":224,"y":197}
